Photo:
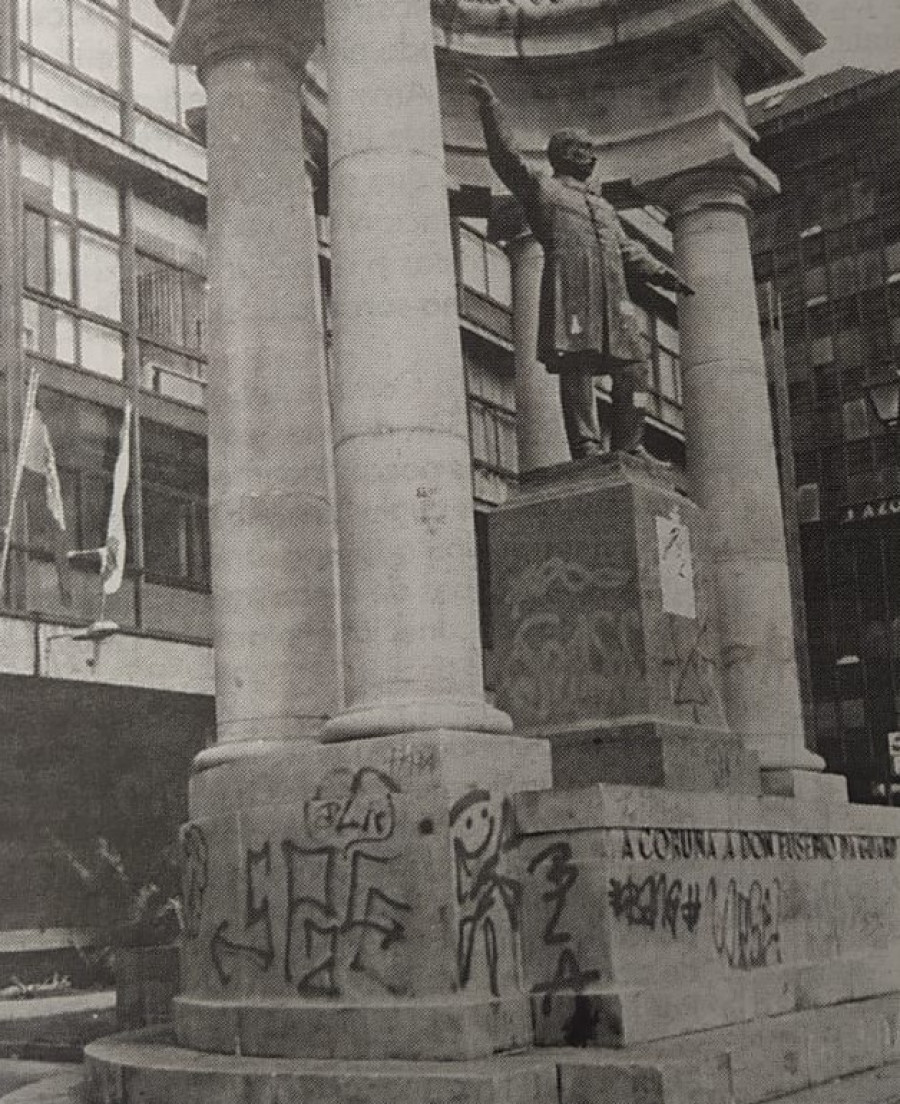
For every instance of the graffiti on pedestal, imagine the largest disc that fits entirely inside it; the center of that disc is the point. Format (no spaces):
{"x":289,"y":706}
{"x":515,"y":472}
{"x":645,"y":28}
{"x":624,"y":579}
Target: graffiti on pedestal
{"x":341,"y":916}
{"x":576,"y":643}
{"x":691,"y":661}
{"x":257,"y":944}
{"x":488,"y":896}
{"x":561,"y":874}
{"x":656,"y":902}
{"x":746,"y":923}
{"x":195,"y":876}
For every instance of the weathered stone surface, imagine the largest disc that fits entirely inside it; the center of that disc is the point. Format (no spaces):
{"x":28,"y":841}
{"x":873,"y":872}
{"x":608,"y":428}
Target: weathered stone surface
{"x":139,"y":1068}
{"x":647,"y":914}
{"x":600,"y":603}
{"x":653,"y":753}
{"x":367,"y":904}
{"x":742,"y":1064}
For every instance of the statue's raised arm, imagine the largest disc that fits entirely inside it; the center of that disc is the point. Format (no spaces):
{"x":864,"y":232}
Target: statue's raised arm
{"x":506,"y":160}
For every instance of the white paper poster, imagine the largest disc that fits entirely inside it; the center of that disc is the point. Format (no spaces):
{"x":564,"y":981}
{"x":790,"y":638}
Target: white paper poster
{"x":676,"y":566}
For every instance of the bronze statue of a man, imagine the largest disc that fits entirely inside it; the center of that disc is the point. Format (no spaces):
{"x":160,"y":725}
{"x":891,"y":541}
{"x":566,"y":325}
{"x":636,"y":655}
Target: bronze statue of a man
{"x":588,"y":325}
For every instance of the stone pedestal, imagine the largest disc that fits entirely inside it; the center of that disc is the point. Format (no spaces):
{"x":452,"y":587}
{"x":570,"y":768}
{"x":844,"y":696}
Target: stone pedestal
{"x":358,"y":900}
{"x":604,"y":629}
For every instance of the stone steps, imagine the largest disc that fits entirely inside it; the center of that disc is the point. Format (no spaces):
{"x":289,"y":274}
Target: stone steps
{"x":742,"y":1064}
{"x":768,"y":1059}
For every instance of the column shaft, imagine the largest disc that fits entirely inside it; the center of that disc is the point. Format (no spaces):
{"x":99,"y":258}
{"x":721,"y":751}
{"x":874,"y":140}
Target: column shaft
{"x":541,"y":436}
{"x":406,"y":532}
{"x":732,"y":469}
{"x":270,"y":509}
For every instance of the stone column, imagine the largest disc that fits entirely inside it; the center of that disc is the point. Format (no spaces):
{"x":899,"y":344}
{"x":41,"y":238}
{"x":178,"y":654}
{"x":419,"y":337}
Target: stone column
{"x":412,"y":656}
{"x":541,"y":436}
{"x":271,"y":513}
{"x":731,"y":464}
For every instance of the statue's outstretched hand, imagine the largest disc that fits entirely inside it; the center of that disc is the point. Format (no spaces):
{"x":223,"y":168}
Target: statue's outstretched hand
{"x":479,"y":87}
{"x":684,"y":289}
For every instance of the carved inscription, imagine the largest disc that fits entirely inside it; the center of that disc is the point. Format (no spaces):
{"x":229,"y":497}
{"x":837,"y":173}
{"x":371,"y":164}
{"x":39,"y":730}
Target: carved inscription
{"x":706,"y":843}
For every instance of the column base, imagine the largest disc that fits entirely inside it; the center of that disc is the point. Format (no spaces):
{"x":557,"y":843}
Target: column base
{"x":416,"y":715}
{"x":432,"y":1030}
{"x":358,"y":900}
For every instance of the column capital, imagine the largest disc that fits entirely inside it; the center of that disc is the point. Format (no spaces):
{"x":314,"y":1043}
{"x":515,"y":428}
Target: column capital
{"x":209,"y":31}
{"x":709,"y":187}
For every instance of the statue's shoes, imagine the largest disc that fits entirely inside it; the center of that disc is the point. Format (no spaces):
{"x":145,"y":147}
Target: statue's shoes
{"x":641,"y":453}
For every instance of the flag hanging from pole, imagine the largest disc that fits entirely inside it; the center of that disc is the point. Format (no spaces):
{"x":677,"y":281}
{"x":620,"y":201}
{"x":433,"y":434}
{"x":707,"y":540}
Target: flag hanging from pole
{"x":39,"y":464}
{"x":113,"y":561}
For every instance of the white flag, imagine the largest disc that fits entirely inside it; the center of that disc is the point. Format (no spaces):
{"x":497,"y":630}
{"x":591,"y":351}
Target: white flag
{"x":114,"y":558}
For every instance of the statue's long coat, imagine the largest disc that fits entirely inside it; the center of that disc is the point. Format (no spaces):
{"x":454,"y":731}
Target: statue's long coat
{"x":584,"y":306}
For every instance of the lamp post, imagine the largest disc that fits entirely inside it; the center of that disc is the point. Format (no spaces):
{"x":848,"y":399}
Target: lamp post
{"x":884,"y":397}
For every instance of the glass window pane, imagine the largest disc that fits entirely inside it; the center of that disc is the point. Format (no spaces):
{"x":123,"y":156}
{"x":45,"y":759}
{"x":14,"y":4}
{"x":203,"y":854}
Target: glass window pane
{"x":160,"y":301}
{"x":98,"y":202}
{"x":668,"y":375}
{"x":62,"y":186}
{"x":36,"y":274}
{"x":38,"y":168}
{"x":24,"y":18}
{"x":101,"y":350}
{"x":62,"y":260}
{"x":63,"y":331}
{"x":30,"y":325}
{"x":176,"y":377}
{"x":155,"y":78}
{"x":99,"y":279}
{"x":471,"y":251}
{"x":667,"y":335}
{"x":171,"y":145}
{"x":50,"y":28}
{"x":168,"y":235}
{"x":75,"y":97}
{"x":95,"y":36}
{"x":148,"y":15}
{"x":499,"y":284}
{"x":194,"y":311}
{"x":191,"y":91}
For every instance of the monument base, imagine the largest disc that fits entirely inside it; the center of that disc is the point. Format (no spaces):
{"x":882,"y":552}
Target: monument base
{"x":666,"y":947}
{"x":649,"y":752}
{"x":357,"y":900}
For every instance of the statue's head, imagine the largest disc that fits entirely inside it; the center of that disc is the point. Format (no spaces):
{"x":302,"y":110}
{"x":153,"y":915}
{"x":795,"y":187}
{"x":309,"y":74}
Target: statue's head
{"x":571,"y":153}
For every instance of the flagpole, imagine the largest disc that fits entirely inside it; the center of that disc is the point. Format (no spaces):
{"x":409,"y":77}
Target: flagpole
{"x":30,"y":401}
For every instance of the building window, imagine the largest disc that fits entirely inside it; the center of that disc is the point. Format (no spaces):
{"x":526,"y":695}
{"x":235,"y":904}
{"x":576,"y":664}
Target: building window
{"x":174,"y":492}
{"x":86,"y":441}
{"x":491,"y":402}
{"x":161,"y":89}
{"x":171,"y":292}
{"x":72,"y":305}
{"x":70,"y":54}
{"x":484,"y":266}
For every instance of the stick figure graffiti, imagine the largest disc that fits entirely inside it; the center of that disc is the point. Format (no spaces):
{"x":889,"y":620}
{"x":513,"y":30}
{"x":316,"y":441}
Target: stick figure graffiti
{"x":488,"y":897}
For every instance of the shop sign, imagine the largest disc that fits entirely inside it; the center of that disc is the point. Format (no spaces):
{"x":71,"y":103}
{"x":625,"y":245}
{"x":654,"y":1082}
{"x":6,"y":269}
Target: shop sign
{"x":870,"y":511}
